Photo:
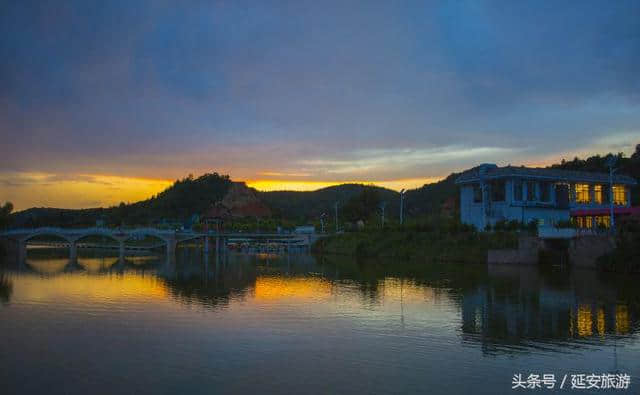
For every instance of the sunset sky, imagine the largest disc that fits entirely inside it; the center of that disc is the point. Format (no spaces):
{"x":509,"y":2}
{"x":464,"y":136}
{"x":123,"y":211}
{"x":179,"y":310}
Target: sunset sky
{"x":102,"y":102}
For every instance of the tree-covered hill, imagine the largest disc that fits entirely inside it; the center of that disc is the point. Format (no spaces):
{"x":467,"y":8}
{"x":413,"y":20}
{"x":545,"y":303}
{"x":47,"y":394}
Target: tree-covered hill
{"x":309,"y":205}
{"x":428,"y":199}
{"x":178,"y":202}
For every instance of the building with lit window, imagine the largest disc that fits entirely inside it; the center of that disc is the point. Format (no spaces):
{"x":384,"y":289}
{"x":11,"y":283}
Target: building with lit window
{"x":489,"y":194}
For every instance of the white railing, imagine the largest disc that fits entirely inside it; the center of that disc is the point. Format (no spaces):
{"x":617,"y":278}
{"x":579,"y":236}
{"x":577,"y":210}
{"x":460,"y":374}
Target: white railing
{"x":550,"y":232}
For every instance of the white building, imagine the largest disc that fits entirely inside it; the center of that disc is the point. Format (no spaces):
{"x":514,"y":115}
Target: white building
{"x":489,"y":194}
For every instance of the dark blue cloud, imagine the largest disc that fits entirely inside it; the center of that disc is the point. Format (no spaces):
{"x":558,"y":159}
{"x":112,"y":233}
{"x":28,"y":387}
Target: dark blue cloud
{"x":124,"y":85}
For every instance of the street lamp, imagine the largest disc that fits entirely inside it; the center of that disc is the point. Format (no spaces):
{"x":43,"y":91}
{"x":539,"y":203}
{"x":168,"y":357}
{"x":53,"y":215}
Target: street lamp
{"x":611,"y":161}
{"x":382,"y":206}
{"x":401,"y":206}
{"x":336,"y":208}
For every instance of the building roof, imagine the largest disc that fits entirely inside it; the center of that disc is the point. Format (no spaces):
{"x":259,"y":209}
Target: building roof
{"x":490,"y":171}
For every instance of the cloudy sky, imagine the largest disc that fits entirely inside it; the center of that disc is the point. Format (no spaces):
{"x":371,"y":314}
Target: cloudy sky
{"x":108,"y":101}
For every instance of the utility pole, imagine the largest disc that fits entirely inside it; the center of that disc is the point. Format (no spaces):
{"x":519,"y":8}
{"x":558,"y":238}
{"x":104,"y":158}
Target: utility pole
{"x":382,"y":206}
{"x":401,"y":206}
{"x":336,"y":208}
{"x":610,"y":162}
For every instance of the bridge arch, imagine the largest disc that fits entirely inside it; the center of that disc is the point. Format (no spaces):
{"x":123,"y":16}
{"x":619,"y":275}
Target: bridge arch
{"x":46,"y":232}
{"x":147,"y":232}
{"x":191,"y":238}
{"x":133,"y":237}
{"x":97,"y":233}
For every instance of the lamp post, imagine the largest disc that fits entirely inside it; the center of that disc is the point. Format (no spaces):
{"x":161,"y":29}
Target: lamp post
{"x":610,"y":163}
{"x":382,"y":206}
{"x":336,"y":208}
{"x":401,"y":206}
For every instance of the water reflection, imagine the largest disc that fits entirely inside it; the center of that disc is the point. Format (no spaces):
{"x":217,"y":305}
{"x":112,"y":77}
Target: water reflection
{"x":6,"y":288}
{"x":541,"y":308}
{"x":501,"y":308}
{"x":190,"y":282}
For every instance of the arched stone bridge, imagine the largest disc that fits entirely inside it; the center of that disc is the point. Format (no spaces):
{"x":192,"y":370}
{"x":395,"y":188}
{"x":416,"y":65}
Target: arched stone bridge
{"x":169,"y":237}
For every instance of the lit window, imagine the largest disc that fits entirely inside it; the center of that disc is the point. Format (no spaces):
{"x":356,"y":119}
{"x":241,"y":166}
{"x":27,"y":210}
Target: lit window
{"x":619,"y":195}
{"x":582,"y":193}
{"x":598,"y":195}
{"x":477,"y":193}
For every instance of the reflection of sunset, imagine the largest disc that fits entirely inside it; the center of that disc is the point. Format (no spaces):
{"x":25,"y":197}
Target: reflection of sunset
{"x":95,"y":265}
{"x":274,"y":288}
{"x":396,"y":288}
{"x":84,"y":288}
{"x":50,"y":266}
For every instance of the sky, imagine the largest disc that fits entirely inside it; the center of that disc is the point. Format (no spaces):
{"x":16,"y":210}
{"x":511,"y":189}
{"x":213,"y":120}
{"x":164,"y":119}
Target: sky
{"x":109,"y":101}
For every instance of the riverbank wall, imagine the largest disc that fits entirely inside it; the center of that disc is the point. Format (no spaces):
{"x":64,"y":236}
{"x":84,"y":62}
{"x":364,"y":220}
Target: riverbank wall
{"x":582,"y":251}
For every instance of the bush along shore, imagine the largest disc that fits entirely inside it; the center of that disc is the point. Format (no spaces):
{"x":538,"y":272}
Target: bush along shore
{"x":625,"y":258}
{"x":439,"y":240}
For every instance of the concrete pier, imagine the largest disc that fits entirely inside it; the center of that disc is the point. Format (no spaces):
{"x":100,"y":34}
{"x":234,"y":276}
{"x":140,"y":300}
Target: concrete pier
{"x":73,"y":251}
{"x":121,"y":251}
{"x":171,"y":247}
{"x":22,"y":251}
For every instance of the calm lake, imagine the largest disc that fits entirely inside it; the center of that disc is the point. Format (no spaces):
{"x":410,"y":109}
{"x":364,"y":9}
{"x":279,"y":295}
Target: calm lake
{"x":300,"y":324}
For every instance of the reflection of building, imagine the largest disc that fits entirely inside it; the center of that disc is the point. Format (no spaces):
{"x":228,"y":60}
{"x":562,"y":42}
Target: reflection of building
{"x":489,"y":194}
{"x":512,"y":310}
{"x":6,"y":288}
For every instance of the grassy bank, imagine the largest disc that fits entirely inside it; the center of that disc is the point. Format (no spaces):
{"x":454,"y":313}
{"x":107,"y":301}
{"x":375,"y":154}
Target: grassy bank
{"x":467,"y":246}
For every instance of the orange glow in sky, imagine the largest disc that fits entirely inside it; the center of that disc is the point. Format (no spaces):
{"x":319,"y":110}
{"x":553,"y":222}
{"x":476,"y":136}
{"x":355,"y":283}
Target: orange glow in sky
{"x":297,"y":185}
{"x":27,"y":190}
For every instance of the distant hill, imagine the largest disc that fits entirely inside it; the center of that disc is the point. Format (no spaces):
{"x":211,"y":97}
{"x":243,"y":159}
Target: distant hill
{"x":308,"y":205}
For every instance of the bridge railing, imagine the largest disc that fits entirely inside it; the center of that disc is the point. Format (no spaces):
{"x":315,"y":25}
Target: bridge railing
{"x":141,"y":231}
